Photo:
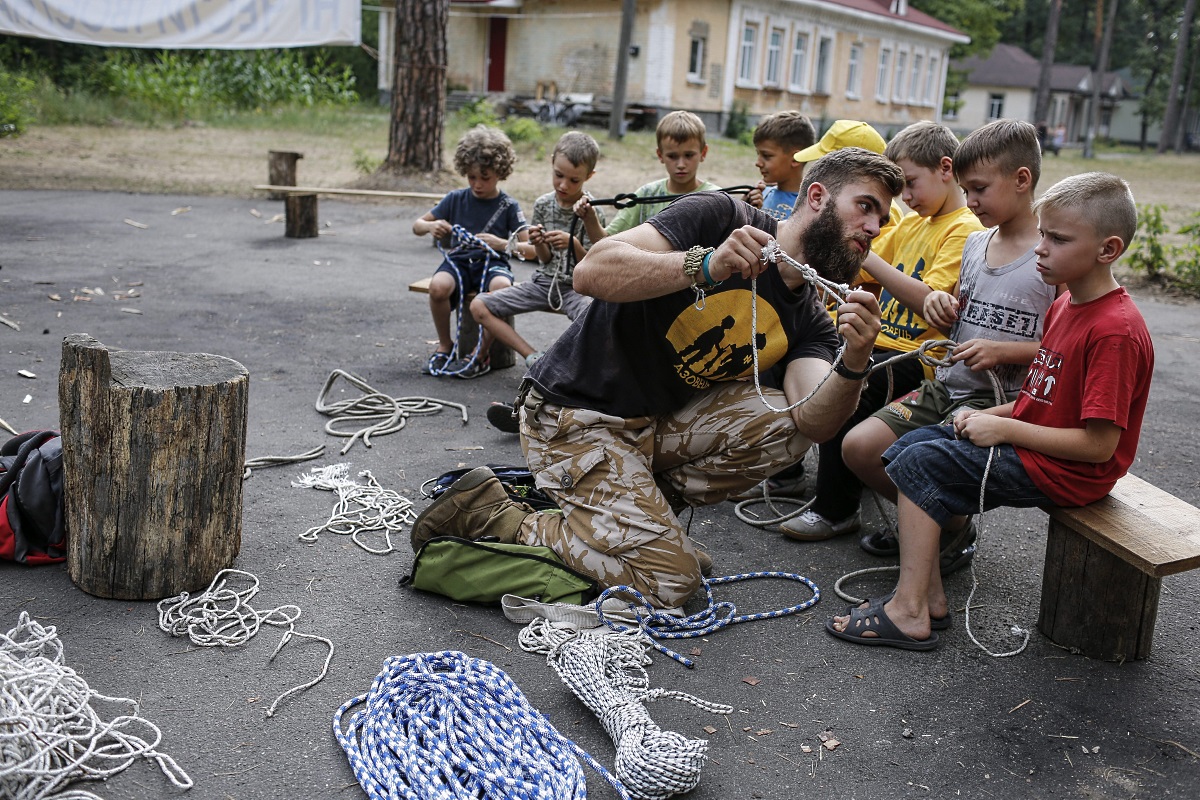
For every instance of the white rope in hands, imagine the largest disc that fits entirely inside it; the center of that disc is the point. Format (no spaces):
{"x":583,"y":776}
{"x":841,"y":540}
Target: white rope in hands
{"x":606,"y":670}
{"x":50,"y":733}
{"x":359,"y":508}
{"x":444,"y":726}
{"x":223,"y":617}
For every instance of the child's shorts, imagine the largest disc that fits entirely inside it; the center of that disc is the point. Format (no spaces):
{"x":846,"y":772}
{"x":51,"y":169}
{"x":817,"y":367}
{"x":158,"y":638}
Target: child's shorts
{"x":942,"y":474}
{"x":537,"y":294}
{"x":476,"y":274}
{"x":928,"y":404}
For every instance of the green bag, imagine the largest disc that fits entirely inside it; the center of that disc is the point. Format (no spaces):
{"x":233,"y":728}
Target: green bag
{"x":483,"y":572}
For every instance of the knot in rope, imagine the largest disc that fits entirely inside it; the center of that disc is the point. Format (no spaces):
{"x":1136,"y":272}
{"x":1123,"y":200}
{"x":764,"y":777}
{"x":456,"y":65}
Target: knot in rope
{"x":443,"y":726}
{"x":50,"y":734}
{"x":657,"y":624}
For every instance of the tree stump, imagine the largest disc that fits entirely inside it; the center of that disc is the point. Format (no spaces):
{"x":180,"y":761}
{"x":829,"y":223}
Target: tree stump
{"x":154,"y":445}
{"x":300,"y":216}
{"x":281,"y":171}
{"x":501,"y":355}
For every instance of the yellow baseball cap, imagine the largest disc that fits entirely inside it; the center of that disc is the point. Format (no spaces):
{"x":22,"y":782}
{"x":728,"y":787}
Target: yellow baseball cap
{"x":843,"y":133}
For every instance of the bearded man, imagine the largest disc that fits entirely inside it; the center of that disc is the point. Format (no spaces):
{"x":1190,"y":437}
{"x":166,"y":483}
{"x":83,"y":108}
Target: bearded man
{"x":646,"y":404}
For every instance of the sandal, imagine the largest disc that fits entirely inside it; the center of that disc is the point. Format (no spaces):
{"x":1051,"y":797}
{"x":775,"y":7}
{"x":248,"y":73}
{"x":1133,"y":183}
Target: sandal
{"x":935,"y":623}
{"x":875,"y":621}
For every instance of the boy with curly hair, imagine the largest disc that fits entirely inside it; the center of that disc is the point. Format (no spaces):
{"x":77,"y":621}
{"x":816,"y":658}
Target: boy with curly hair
{"x":484,"y":156}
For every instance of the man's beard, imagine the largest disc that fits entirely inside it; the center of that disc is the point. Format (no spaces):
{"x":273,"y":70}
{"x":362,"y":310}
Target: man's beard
{"x":828,"y":250}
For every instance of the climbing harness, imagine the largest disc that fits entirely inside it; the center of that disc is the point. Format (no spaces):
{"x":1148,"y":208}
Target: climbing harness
{"x":391,"y":413}
{"x":276,"y":461}
{"x":444,"y":726}
{"x":360,"y":509}
{"x":51,"y":734}
{"x":607,"y":672}
{"x":657,"y":624}
{"x":221,"y":616}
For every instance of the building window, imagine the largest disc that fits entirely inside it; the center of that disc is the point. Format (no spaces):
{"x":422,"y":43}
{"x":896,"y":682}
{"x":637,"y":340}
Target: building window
{"x":774,"y":56}
{"x":800,"y":63}
{"x":696,"y":60}
{"x":824,"y":64}
{"x":951,"y":107}
{"x":995,"y":106}
{"x":901,"y":74}
{"x":931,"y":81}
{"x":881,"y":77}
{"x":914,"y":85}
{"x":854,"y":74}
{"x":749,"y":52}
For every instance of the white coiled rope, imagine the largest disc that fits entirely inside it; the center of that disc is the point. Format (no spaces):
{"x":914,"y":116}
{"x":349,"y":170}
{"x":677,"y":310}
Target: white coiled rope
{"x":221,"y":616}
{"x":607,"y":672}
{"x":51,"y":734}
{"x":445,"y":726}
{"x":360,"y":509}
{"x":390,"y":414}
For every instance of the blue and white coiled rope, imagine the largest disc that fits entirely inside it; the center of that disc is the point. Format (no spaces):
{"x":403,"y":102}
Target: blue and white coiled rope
{"x":444,"y":726}
{"x":657,"y":624}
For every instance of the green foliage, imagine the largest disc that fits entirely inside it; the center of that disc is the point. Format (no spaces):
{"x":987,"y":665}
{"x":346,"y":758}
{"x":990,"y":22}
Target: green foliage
{"x":16,"y":103}
{"x":738,"y":123}
{"x":364,"y":162}
{"x":478,"y":112}
{"x":522,"y":129}
{"x":1174,"y":265}
{"x":979,"y":19}
{"x":1149,"y":252}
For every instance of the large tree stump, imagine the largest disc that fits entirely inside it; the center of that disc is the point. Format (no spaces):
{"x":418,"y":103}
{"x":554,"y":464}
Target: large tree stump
{"x":300,"y":216}
{"x":154,"y":445}
{"x":281,"y":171}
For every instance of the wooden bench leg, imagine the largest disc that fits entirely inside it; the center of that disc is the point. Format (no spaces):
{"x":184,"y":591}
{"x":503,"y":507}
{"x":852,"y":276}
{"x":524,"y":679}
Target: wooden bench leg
{"x":281,"y":171}
{"x":1093,"y":601}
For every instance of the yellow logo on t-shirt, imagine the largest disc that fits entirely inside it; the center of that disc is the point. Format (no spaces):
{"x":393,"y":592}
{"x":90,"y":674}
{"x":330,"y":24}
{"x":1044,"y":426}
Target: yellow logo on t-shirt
{"x":713,"y":344}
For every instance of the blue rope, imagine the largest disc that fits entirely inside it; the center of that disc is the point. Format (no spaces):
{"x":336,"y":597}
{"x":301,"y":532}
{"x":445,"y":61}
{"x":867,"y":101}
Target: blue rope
{"x":659,"y":625}
{"x":444,"y":726}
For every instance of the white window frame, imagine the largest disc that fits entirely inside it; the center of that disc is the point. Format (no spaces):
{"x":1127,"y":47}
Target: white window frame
{"x":914,"y":83}
{"x":951,"y":106}
{"x":854,"y":72}
{"x":931,"y":82}
{"x":883,"y":74}
{"x":747,"y":74}
{"x":899,"y":75}
{"x":995,"y":106}
{"x":823,"y":74}
{"x":697,"y":52}
{"x":801,"y":54}
{"x":775,"y":40}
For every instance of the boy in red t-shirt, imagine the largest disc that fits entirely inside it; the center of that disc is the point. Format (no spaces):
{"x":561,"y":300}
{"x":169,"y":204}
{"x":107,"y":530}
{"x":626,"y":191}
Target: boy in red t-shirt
{"x":1068,"y":437}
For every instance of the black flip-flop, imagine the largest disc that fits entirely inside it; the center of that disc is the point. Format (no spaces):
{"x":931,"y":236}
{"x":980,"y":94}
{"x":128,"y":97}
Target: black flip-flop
{"x":875,"y":620}
{"x":935,"y":623}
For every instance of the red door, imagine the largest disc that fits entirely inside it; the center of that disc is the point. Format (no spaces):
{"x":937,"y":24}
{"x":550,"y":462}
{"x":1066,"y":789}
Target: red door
{"x":497,"y":41}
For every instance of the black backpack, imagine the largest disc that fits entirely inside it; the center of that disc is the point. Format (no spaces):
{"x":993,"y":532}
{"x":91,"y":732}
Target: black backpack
{"x":518,"y":482}
{"x":32,"y":528}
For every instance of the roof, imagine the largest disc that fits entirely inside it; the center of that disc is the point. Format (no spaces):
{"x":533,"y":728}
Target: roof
{"x":883,"y":8}
{"x":1009,"y":65}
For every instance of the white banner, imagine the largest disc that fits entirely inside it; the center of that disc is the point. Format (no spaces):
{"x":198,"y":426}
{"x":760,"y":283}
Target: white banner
{"x":175,"y":24}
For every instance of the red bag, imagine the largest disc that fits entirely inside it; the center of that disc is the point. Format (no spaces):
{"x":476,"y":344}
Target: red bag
{"x":32,"y":529}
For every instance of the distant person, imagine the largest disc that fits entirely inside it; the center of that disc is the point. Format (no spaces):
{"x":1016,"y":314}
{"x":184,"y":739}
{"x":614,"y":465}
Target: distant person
{"x":994,"y":313}
{"x":777,"y":139}
{"x":484,"y":156}
{"x":1066,"y":440}
{"x":919,"y":255}
{"x":681,"y":149}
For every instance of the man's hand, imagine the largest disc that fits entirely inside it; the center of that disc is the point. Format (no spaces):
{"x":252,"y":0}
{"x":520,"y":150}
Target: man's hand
{"x":940,"y":310}
{"x":858,"y":323}
{"x":740,"y":253}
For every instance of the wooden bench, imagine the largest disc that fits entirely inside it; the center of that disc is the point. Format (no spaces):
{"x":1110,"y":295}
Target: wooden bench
{"x":502,"y":356}
{"x":1104,"y":568}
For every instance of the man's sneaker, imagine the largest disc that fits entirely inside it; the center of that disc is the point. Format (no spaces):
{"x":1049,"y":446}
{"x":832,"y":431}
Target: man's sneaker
{"x":812,"y":527}
{"x":776,"y":487}
{"x":503,"y":418}
{"x":476,"y":506}
{"x":467,"y":368}
{"x":435,"y":363}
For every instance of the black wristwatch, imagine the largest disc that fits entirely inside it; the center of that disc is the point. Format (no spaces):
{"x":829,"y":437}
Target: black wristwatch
{"x":849,"y":374}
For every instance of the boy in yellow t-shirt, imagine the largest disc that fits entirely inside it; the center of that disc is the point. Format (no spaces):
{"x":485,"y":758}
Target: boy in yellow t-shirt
{"x":919,"y":255}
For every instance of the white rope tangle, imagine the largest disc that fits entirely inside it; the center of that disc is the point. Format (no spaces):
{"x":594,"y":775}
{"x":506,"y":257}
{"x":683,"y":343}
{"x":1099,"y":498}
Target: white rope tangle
{"x":391,"y":413}
{"x":359,"y":508}
{"x":221,"y":616}
{"x":51,"y":734}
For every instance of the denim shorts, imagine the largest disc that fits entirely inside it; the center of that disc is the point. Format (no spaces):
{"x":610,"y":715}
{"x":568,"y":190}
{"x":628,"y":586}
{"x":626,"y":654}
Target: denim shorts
{"x":942,"y":474}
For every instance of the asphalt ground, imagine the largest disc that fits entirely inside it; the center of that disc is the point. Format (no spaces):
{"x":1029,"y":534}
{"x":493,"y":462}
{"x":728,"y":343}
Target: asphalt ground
{"x":221,"y":278}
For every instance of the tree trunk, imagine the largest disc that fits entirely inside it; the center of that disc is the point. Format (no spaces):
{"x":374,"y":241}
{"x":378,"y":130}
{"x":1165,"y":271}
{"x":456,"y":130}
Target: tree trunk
{"x":1098,"y":76}
{"x":418,"y":87}
{"x":1049,"y":47}
{"x":153,"y":451}
{"x":1171,"y":120}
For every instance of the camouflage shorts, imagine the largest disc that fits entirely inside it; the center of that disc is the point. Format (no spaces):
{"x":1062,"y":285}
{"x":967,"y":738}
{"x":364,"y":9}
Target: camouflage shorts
{"x":617,"y":480}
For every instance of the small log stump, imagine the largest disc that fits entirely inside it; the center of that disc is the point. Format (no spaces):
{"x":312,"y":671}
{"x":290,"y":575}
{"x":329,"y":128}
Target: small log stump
{"x":300,"y":216}
{"x":281,"y":171}
{"x":154,"y":445}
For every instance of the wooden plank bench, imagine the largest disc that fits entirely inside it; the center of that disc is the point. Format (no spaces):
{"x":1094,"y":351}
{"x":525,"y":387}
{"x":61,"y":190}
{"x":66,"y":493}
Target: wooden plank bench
{"x":502,"y":356}
{"x":1104,"y":568}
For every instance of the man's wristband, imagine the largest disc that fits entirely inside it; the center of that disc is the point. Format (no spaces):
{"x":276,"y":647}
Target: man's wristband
{"x":704,"y":270}
{"x":693,"y":261}
{"x":849,"y":374}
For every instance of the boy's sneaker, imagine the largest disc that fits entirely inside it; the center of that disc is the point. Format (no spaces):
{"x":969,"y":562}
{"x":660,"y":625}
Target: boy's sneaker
{"x":812,"y":527}
{"x":532,"y":357}
{"x":776,"y":487}
{"x":466,"y":368}
{"x":956,"y":548}
{"x":436,"y":362}
{"x":503,"y":418}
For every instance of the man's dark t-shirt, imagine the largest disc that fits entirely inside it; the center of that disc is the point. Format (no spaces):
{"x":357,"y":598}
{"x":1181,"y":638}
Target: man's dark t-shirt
{"x":649,"y":357}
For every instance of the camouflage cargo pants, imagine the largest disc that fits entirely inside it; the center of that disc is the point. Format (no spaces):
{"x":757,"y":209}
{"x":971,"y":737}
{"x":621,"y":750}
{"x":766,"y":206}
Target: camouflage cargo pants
{"x":616,"y":481}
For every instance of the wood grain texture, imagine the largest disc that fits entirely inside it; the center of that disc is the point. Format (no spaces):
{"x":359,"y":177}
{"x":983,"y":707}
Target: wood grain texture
{"x":281,"y":170}
{"x":300,"y":216}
